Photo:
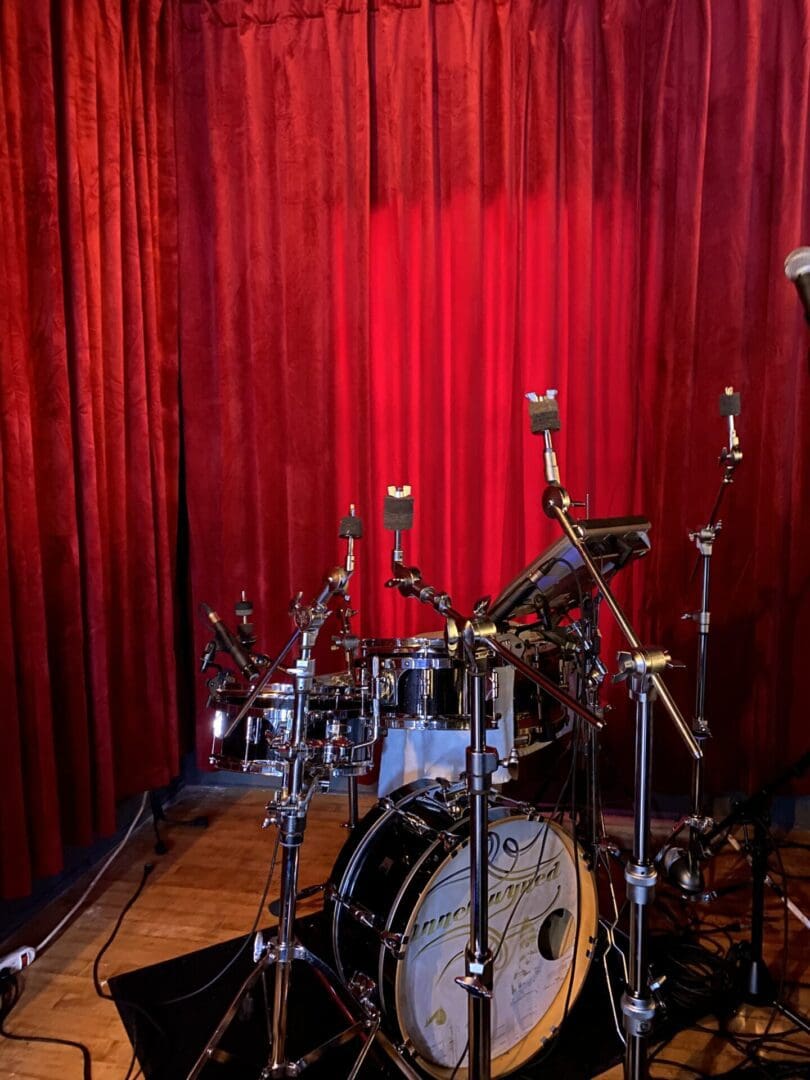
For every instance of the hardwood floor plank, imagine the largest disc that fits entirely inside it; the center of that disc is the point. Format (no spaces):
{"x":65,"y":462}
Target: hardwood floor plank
{"x":206,"y":890}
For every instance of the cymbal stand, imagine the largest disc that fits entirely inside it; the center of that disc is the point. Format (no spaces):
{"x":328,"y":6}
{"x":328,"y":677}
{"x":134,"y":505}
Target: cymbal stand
{"x":348,"y":643}
{"x":287,"y":811}
{"x":478,"y":642}
{"x":683,"y":867}
{"x":642,"y":669}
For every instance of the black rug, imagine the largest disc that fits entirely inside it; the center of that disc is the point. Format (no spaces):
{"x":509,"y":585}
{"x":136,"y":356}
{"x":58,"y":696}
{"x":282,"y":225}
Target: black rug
{"x":169,"y":1036}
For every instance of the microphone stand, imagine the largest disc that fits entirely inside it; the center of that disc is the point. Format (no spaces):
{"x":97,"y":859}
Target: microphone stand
{"x":760,"y":987}
{"x":642,"y":669}
{"x":478,"y":643}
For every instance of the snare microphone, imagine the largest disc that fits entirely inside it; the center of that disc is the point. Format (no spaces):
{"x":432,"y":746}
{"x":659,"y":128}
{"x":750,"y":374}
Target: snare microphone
{"x":229,"y":643}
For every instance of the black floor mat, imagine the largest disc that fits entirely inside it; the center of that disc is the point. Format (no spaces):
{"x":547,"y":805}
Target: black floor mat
{"x":169,"y":1036}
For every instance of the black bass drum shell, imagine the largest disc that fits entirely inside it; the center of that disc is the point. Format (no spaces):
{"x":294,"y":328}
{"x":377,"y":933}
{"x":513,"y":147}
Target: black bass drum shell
{"x":543,"y":920}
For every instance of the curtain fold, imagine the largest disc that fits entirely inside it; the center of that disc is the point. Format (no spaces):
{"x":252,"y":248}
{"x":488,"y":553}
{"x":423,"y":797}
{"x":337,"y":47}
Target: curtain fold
{"x":89,"y":432}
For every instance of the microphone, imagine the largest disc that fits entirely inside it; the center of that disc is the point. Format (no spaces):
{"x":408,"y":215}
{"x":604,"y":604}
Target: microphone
{"x":229,"y":643}
{"x":797,"y":270}
{"x":680,"y":870}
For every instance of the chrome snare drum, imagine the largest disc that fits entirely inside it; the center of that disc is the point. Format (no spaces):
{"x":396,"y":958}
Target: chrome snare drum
{"x":419,"y":686}
{"x":338,"y":730}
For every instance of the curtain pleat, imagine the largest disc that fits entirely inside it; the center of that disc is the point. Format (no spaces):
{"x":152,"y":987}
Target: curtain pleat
{"x":89,"y":432}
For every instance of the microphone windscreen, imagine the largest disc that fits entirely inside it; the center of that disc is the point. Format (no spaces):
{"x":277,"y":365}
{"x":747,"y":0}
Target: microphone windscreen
{"x":398,"y":512}
{"x":797,"y":263}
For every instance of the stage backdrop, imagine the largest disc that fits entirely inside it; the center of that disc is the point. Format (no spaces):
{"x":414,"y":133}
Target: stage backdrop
{"x":395,"y":222}
{"x":385,"y":225}
{"x":89,"y":433}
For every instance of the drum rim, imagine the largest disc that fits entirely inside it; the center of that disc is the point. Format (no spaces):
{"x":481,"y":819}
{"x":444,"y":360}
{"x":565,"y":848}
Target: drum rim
{"x":355,"y":845}
{"x":405,"y":645}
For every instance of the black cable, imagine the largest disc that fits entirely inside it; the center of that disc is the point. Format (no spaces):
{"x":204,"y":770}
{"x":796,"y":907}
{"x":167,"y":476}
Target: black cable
{"x":245,"y":943}
{"x":682,"y":1067}
{"x":97,"y":984}
{"x":147,"y":870}
{"x":10,"y":997}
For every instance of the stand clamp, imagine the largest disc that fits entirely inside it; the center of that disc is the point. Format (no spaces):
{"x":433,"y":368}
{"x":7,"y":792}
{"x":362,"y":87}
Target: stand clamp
{"x":638,"y":1014}
{"x":641,"y":879}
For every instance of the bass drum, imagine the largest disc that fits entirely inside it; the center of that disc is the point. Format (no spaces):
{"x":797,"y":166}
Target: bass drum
{"x":408,"y":864}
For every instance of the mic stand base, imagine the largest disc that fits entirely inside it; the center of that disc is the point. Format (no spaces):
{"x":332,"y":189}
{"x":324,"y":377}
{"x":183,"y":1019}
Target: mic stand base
{"x":755,"y":977}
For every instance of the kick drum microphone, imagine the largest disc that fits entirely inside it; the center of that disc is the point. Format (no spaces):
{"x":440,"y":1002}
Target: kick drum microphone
{"x":797,"y":270}
{"x":229,"y":644}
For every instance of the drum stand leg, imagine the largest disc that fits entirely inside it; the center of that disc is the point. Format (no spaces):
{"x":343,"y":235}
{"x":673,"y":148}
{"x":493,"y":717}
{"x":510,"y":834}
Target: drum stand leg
{"x":351,"y":821}
{"x":482,"y":761}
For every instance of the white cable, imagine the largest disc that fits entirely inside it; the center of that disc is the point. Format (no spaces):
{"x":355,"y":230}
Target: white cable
{"x":63,"y":922}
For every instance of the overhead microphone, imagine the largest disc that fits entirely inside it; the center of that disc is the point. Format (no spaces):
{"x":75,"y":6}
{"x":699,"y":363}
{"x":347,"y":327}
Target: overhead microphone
{"x":229,"y":643}
{"x":797,"y":270}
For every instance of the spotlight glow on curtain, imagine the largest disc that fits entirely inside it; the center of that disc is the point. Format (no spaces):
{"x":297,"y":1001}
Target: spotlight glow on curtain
{"x":397,"y":220}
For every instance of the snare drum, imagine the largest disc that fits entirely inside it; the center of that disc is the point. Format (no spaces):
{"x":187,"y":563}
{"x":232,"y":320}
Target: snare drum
{"x":337,"y":731}
{"x":405,"y":871}
{"x":420,"y":687}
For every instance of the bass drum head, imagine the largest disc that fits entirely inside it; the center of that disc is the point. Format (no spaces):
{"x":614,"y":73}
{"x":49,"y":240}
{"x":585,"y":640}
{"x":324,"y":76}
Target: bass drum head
{"x":543,"y":916}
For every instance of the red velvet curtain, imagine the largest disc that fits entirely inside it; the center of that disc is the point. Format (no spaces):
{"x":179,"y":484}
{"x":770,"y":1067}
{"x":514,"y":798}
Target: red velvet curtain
{"x":392,"y":223}
{"x":396,"y":220}
{"x":88,"y":422}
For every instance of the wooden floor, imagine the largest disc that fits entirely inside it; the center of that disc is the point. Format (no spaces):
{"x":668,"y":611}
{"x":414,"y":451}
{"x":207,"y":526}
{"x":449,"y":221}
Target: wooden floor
{"x":206,"y":890}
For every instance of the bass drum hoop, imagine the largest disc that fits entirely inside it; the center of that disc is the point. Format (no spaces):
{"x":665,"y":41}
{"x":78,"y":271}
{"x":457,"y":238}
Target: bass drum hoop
{"x":405,"y":907}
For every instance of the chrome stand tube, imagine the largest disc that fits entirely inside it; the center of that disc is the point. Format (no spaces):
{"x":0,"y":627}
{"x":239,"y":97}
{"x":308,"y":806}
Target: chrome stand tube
{"x":291,"y":825}
{"x":477,"y":981}
{"x":638,"y":1005}
{"x":351,"y":821}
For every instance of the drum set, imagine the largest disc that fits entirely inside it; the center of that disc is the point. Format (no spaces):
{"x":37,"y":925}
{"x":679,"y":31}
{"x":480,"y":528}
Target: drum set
{"x":460,"y":923}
